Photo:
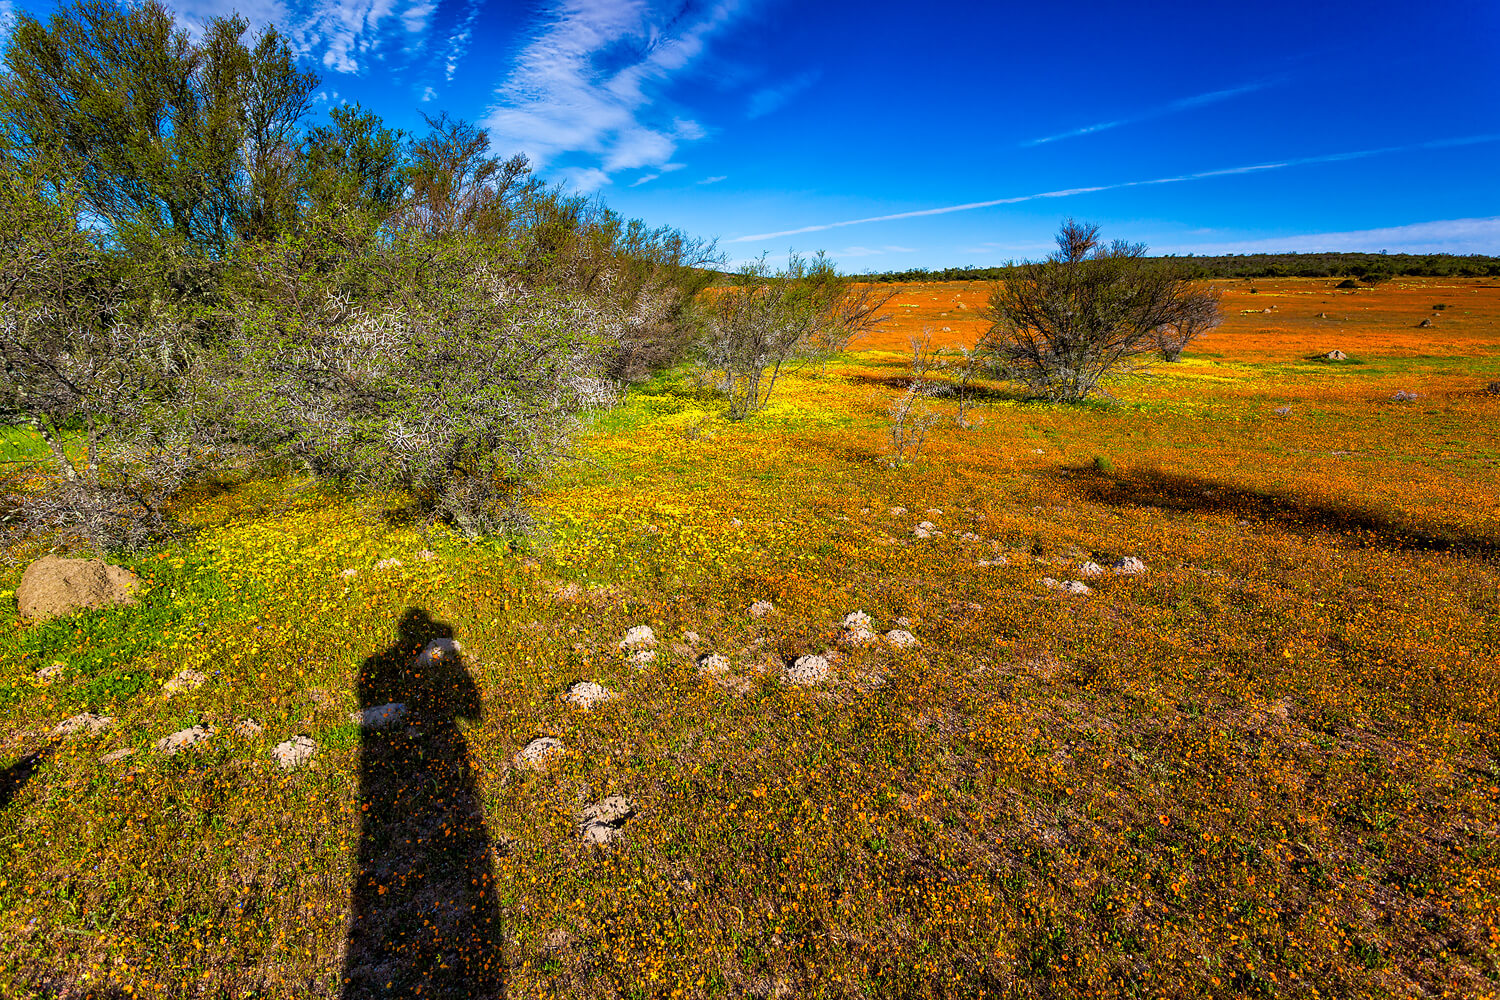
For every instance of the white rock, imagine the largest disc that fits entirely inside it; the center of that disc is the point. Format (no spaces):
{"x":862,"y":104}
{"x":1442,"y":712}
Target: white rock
{"x":638,"y":637}
{"x":904,"y":622}
{"x":900,"y":638}
{"x":808,"y":670}
{"x":863,"y":636}
{"x":969,"y":536}
{"x":389,"y":564}
{"x":1129,"y":566}
{"x":856,"y":619}
{"x":86,"y":722}
{"x":379,"y":716}
{"x":427,"y":555}
{"x":349,"y":573}
{"x":761,"y":608}
{"x":712,"y":665}
{"x":186,"y":680}
{"x":691,"y":638}
{"x":600,"y":823}
{"x":1067,"y":586}
{"x":997,"y":561}
{"x":534,"y":755}
{"x":898,"y":511}
{"x":643,"y":658}
{"x":295,"y":751}
{"x":115,"y":756}
{"x":586,"y":694}
{"x":249,"y":728}
{"x":439,"y":651}
{"x":735,"y":522}
{"x":50,"y":671}
{"x":1090,"y":569}
{"x":182,"y":739}
{"x":934,"y":511}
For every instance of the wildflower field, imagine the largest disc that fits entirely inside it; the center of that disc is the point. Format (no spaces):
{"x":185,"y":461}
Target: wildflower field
{"x":1269,"y":766}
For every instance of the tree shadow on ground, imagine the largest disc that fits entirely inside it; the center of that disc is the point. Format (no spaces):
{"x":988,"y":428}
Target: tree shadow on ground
{"x":425,"y":920}
{"x":14,"y":778}
{"x":1189,"y":494}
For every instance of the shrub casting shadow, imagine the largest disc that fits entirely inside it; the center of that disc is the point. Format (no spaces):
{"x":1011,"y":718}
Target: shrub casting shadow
{"x":425,"y":920}
{"x":1288,"y":511}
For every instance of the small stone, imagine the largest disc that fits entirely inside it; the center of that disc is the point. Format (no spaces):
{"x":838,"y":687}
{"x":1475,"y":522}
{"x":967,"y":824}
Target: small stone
{"x":379,"y":716}
{"x":900,"y":638}
{"x":249,"y":728}
{"x":586,"y":694}
{"x":997,"y":561}
{"x":934,"y":511}
{"x":808,"y":670}
{"x":856,"y":620}
{"x":389,"y":564}
{"x":349,"y":573}
{"x":534,"y":755}
{"x":862,"y":636}
{"x":294,"y":752}
{"x":897,"y":511}
{"x":761,"y":608}
{"x":1090,"y":569}
{"x":87,"y":722}
{"x":969,"y":536}
{"x":45,"y":675}
{"x":183,"y":738}
{"x":691,"y":638}
{"x":1336,"y":355}
{"x":1282,"y":411}
{"x":186,"y":680}
{"x":712,"y":665}
{"x":1067,"y":586}
{"x":115,"y":756}
{"x":643,"y":658}
{"x":427,"y":555}
{"x":904,"y":621}
{"x":1129,"y":566}
{"x":638,"y":637}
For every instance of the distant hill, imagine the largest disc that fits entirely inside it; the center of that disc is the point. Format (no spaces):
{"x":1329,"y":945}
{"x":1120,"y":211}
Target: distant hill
{"x":1373,"y":267}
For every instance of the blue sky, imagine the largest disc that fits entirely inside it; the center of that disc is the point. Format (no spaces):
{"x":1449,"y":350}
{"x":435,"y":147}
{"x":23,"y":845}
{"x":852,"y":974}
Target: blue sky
{"x":897,"y":135}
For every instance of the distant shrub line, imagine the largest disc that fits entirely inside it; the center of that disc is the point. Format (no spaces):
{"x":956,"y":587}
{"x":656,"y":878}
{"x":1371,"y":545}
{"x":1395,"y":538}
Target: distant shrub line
{"x":1259,"y":265}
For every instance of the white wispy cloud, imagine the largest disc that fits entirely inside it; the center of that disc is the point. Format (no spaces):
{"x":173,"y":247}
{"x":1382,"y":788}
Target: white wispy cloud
{"x":715,"y":179}
{"x":1477,"y":235}
{"x":769,"y":99}
{"x":1071,"y":192}
{"x":644,"y":180}
{"x":869,"y":251}
{"x":586,"y":82}
{"x":343,"y":36}
{"x":459,"y":38}
{"x":1171,"y":107}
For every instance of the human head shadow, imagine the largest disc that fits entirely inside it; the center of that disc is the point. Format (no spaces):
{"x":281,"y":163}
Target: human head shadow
{"x":14,"y":778}
{"x":1291,"y":512}
{"x":424,"y":918}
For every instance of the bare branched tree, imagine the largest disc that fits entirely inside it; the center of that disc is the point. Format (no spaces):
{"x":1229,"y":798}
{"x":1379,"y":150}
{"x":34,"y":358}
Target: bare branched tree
{"x":1196,"y":313}
{"x":767,"y":322}
{"x":1088,"y":311}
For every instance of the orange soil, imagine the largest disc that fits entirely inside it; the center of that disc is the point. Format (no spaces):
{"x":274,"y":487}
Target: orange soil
{"x":1367,"y":322}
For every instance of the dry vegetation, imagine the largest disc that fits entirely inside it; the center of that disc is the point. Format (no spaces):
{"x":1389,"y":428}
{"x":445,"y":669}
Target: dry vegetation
{"x":1267,"y":768}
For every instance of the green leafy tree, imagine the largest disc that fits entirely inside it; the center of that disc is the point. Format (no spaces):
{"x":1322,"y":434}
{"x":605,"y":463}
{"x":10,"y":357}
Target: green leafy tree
{"x":353,"y":163}
{"x":160,"y":136}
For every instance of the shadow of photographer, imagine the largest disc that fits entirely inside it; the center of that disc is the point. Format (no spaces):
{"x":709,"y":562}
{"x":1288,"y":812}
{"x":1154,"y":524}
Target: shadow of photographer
{"x":425,"y":920}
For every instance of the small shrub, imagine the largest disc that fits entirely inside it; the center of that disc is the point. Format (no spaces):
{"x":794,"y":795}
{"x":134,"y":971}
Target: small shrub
{"x":1103,"y":465}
